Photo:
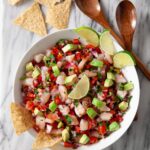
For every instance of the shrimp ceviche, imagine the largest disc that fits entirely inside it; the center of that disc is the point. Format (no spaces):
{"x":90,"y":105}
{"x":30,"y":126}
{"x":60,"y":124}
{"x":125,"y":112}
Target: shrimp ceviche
{"x":74,"y":91}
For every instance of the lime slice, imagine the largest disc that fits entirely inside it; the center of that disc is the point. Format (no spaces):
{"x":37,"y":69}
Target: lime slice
{"x":123,"y":59}
{"x":106,"y":43}
{"x":81,"y":89}
{"x":89,"y":34}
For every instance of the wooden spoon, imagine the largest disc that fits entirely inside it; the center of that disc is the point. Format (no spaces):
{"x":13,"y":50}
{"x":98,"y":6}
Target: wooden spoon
{"x":93,"y":9}
{"x":126,"y":20}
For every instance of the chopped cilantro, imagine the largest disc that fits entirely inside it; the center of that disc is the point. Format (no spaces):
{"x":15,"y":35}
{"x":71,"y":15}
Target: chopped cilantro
{"x":76,"y":102}
{"x":99,"y":75}
{"x":36,"y":91}
{"x":68,"y":119}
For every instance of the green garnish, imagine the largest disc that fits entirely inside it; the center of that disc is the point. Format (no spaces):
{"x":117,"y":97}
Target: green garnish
{"x":114,"y":126}
{"x":36,"y":91}
{"x":56,"y":70}
{"x":52,"y":106}
{"x":68,"y":119}
{"x":76,"y":103}
{"x":47,"y":60}
{"x":91,"y":113}
{"x":128,"y":86}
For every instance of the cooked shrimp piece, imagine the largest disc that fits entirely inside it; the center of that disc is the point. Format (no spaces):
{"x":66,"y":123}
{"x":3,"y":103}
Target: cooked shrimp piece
{"x":56,"y":132}
{"x":121,"y":94}
{"x":86,"y":102}
{"x":40,"y":121}
{"x":90,"y":73}
{"x":104,"y":108}
{"x":51,"y":117}
{"x":105,"y":116}
{"x":120,"y":78}
{"x":28,"y":82}
{"x":83,"y":125}
{"x":48,"y":52}
{"x":80,"y":110}
{"x":48,"y":128}
{"x":44,"y":72}
{"x":108,"y":58}
{"x":95,"y":134}
{"x":74,"y":121}
{"x":61,"y":79}
{"x":38,"y":58}
{"x":63,"y":92}
{"x":64,"y":109}
{"x":45,"y":97}
{"x":83,"y":62}
{"x":59,"y":64}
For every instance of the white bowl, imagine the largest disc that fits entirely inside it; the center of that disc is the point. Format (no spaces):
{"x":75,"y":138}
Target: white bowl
{"x":130,"y":74}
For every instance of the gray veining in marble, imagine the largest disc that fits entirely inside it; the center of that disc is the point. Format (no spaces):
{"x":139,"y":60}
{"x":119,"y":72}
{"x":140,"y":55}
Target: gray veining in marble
{"x":16,"y":41}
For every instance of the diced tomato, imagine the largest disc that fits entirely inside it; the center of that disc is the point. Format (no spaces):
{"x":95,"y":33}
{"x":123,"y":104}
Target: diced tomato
{"x":59,"y":57}
{"x":119,"y":118}
{"x":52,"y":77}
{"x":37,"y":129}
{"x":94,"y":80}
{"x":78,"y":56}
{"x":76,"y":41}
{"x":91,"y":124}
{"x":112,"y":120}
{"x":39,"y":79}
{"x":42,"y":107}
{"x":112,"y":112}
{"x":90,"y":46}
{"x":55,"y":125}
{"x":35,"y":83}
{"x":76,"y":69}
{"x":58,"y":100}
{"x":67,"y":144}
{"x":26,"y":99}
{"x":69,"y":53}
{"x":30,"y":95}
{"x":93,"y":139}
{"x":102,"y":129}
{"x":77,"y":128}
{"x":30,"y":105}
{"x":97,"y":49}
{"x":55,"y":51}
{"x":72,"y":112}
{"x":88,"y":66}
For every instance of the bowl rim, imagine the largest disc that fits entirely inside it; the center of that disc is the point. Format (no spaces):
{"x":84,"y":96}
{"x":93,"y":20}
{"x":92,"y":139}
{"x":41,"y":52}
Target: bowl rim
{"x":124,"y":129}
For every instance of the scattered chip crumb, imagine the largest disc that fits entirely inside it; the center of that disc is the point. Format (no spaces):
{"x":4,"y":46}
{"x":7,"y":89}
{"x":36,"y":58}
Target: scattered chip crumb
{"x":14,"y":2}
{"x":32,"y":20}
{"x":21,"y":117}
{"x":58,"y":15}
{"x":44,"y":140}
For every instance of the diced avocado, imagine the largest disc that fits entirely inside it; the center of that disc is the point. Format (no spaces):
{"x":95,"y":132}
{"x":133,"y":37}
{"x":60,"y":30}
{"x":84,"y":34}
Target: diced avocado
{"x":36,"y":72}
{"x":52,"y":106}
{"x":70,"y":79}
{"x":69,"y":47}
{"x":84,"y":139}
{"x":114,"y":126}
{"x":65,"y":135}
{"x":60,"y":124}
{"x":96,"y":63}
{"x":56,"y":70}
{"x":37,"y":112}
{"x":110,"y":75}
{"x":98,"y":103}
{"x":47,"y":77}
{"x":108,"y":83}
{"x":128,"y":86}
{"x":123,"y":106}
{"x":91,"y":113}
{"x":29,"y":66}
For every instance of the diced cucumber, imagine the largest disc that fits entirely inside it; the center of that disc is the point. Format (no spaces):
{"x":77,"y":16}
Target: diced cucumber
{"x":84,"y":139}
{"x":128,"y":86}
{"x":36,"y":72}
{"x":56,"y":70}
{"x":123,"y":106}
{"x":114,"y":126}
{"x":69,"y":47}
{"x":91,"y":113}
{"x":96,"y":63}
{"x":29,"y":66}
{"x":98,"y":103}
{"x":110,"y":75}
{"x":52,"y":106}
{"x":70,"y":79}
{"x":37,"y":112}
{"x":108,"y":83}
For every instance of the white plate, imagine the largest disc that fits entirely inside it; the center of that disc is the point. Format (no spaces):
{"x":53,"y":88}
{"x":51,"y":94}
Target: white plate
{"x":130,"y":74}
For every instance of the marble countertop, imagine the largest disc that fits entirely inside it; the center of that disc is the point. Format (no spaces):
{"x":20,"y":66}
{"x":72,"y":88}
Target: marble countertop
{"x":16,"y":41}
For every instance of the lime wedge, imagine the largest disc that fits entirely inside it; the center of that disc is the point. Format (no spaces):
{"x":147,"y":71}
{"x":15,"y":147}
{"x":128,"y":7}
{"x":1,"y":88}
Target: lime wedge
{"x":89,"y":34}
{"x":81,"y":89}
{"x":123,"y":59}
{"x":106,"y":43}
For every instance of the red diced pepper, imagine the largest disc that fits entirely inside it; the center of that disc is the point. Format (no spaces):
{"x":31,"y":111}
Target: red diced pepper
{"x":58,"y":100}
{"x":30,"y":95}
{"x":55,"y":51}
{"x":93,"y":139}
{"x":77,"y":128}
{"x":30,"y":105}
{"x":78,"y":56}
{"x":59,"y":57}
{"x":39,"y":79}
{"x":90,"y":46}
{"x":67,"y":144}
{"x":76,"y":41}
{"x":42,"y":107}
{"x":91,"y":124}
{"x":102,"y":129}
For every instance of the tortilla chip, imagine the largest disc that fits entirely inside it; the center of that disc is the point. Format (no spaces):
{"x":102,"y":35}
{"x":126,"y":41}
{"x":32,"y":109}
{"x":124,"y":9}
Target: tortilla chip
{"x":44,"y":2}
{"x":44,"y":140}
{"x":32,"y":20}
{"x":21,"y":117}
{"x":14,"y":2}
{"x":58,"y":14}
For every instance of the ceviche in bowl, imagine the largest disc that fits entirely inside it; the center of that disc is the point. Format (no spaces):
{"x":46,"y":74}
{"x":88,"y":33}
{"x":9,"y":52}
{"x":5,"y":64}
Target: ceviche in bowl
{"x":77,"y":88}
